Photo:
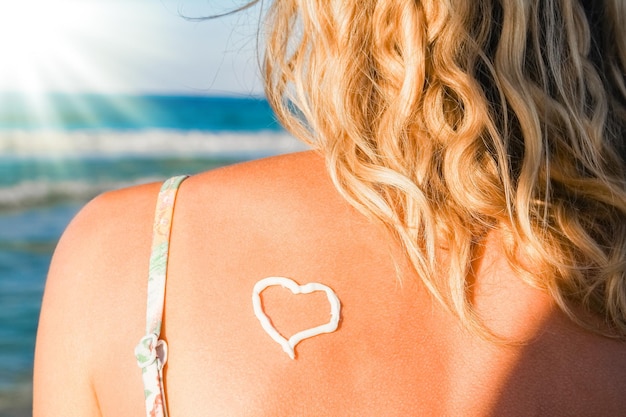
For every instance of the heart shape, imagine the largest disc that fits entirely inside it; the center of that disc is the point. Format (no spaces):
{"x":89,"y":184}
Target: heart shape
{"x":289,"y":345}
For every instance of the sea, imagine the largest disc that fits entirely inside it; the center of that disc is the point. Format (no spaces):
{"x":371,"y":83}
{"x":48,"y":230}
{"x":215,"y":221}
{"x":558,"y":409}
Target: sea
{"x":57,"y":151}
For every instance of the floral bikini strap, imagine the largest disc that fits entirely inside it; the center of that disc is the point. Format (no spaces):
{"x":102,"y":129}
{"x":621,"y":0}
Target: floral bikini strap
{"x":151,"y":353}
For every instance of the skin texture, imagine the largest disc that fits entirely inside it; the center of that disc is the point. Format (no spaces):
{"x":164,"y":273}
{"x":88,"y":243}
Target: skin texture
{"x":396,"y":351}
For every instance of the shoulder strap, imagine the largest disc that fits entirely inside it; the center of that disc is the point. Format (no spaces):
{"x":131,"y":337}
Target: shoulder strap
{"x":151,"y":353}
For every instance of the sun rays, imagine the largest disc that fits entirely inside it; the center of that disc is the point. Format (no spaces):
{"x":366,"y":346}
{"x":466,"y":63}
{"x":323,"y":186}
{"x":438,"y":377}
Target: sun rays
{"x":38,"y":41}
{"x":78,"y":45}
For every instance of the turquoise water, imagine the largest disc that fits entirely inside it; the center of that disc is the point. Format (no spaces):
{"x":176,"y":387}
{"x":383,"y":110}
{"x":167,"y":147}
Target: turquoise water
{"x":70,"y":148}
{"x":123,"y":112}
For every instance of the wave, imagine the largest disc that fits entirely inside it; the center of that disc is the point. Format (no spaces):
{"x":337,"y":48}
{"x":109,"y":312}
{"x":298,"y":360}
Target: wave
{"x":48,"y":144}
{"x":45,"y":246}
{"x":43,"y":192}
{"x":16,"y":400}
{"x":39,"y":168}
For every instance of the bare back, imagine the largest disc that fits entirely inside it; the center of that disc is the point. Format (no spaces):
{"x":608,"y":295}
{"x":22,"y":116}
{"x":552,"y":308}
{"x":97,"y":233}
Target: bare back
{"x":396,"y":351}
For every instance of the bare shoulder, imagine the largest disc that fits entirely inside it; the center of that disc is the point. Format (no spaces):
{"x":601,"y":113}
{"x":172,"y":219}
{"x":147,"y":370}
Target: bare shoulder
{"x":72,"y":319}
{"x":109,"y":240}
{"x":110,"y":237}
{"x":110,"y":234}
{"x":295,"y":175}
{"x":94,"y":304}
{"x":115,"y":227}
{"x":87,"y":279}
{"x":280,"y":216}
{"x":273,"y":200}
{"x":104,"y":222}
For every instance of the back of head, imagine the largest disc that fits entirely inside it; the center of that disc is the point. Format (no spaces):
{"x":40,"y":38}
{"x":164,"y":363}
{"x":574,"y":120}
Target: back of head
{"x":450,"y":119}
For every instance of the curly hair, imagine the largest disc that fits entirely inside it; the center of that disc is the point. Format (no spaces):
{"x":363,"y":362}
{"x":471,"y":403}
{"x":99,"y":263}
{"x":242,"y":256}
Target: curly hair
{"x":449,"y":119}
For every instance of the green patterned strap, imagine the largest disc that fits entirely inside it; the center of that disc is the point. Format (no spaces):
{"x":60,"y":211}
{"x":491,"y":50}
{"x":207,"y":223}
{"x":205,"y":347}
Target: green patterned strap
{"x":159,"y":255}
{"x":151,"y":353}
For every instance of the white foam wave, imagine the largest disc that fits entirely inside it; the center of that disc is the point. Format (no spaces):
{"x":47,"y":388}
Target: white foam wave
{"x":149,"y":143}
{"x":37,"y":193}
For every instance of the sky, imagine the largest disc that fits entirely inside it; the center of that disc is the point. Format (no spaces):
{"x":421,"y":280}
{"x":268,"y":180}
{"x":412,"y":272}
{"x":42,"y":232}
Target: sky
{"x":128,"y":46}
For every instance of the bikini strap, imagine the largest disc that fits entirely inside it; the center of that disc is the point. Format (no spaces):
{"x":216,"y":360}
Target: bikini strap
{"x":151,"y":352}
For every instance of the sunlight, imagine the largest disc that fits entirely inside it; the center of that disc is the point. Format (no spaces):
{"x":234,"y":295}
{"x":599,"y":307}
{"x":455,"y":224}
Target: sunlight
{"x":36,"y":36}
{"x":120,"y":46}
{"x":71,"y":46}
{"x":75,"y":45}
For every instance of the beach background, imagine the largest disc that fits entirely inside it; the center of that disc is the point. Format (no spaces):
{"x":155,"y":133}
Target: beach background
{"x":89,"y":110}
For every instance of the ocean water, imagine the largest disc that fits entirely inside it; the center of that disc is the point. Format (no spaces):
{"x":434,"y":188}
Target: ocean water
{"x":59,"y":151}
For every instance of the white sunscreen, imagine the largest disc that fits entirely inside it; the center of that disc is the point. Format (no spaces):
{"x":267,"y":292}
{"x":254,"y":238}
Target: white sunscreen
{"x":289,"y":345}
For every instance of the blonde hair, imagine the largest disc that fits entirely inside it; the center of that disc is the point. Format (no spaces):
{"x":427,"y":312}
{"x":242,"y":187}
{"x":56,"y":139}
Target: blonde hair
{"x":446,"y":119}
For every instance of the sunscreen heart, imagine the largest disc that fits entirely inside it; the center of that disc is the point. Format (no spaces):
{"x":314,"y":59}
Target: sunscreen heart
{"x":289,"y":345}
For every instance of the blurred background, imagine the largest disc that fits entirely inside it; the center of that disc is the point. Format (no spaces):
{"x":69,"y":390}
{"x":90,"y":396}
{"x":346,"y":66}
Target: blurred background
{"x":102,"y":94}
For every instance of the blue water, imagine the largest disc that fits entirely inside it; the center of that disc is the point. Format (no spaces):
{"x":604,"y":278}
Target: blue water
{"x":123,"y":112}
{"x":59,"y":151}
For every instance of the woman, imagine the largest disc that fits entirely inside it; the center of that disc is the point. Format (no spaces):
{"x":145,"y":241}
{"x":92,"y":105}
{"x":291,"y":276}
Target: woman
{"x":465,"y":203}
